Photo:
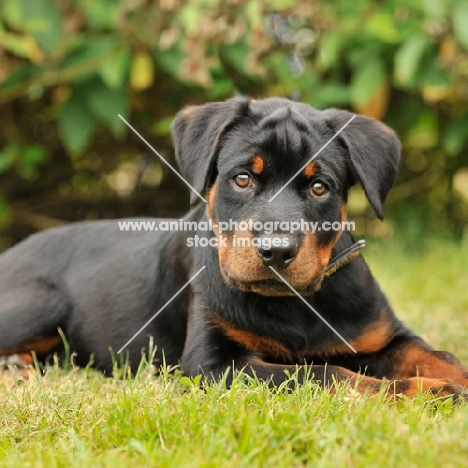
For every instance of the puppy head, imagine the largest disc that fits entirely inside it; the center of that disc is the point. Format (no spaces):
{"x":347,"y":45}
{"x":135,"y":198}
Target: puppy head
{"x":245,"y":152}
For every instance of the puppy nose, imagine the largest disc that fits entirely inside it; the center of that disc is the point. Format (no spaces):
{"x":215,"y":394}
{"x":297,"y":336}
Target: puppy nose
{"x":278,"y":251}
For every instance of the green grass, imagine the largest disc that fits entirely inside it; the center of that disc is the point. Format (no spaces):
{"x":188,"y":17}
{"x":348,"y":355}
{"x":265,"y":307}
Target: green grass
{"x":428,"y":289}
{"x":78,"y":418}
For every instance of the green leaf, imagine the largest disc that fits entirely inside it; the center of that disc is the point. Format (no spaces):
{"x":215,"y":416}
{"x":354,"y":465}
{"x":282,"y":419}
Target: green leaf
{"x":436,"y":8}
{"x":22,"y":46}
{"x":253,"y":12}
{"x":31,"y":157}
{"x":34,"y":154}
{"x":42,"y":20}
{"x":102,"y":13}
{"x":8,"y":157}
{"x":76,"y":124}
{"x":382,"y":26}
{"x":105,"y":104}
{"x":169,"y":60}
{"x":329,"y":48}
{"x":330,"y":95}
{"x":24,"y":158}
{"x":12,"y":13}
{"x":456,"y":135}
{"x":222,"y":87}
{"x":89,"y":48}
{"x":424,"y":133}
{"x":460,"y":22}
{"x":115,"y":70}
{"x":4,"y":212}
{"x":163,"y":126}
{"x":236,"y":54}
{"x":190,"y":16}
{"x":432,"y":75}
{"x":366,"y":80}
{"x":280,"y":5}
{"x":409,"y":57}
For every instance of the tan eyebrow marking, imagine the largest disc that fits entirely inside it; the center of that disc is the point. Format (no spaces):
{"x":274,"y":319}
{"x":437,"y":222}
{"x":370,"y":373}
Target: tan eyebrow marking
{"x":310,"y":170}
{"x":258,"y":164}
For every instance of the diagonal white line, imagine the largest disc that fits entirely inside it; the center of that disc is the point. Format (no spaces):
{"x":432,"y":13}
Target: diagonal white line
{"x":312,"y":158}
{"x":313,"y":310}
{"x":161,"y":309}
{"x":162,"y":159}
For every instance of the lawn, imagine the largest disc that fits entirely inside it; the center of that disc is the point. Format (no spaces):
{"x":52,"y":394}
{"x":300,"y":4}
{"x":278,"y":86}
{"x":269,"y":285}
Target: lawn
{"x":78,"y":418}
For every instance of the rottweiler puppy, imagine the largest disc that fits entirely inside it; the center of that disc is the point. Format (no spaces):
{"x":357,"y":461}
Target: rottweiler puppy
{"x":269,"y":305}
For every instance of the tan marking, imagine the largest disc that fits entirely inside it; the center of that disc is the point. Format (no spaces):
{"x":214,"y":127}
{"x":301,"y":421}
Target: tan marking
{"x":310,"y":170}
{"x":412,"y":386}
{"x":417,"y":361}
{"x":258,"y":164}
{"x":394,"y":388}
{"x":343,"y":212}
{"x":42,"y":346}
{"x":263,"y":345}
{"x":26,"y":359}
{"x":375,"y":337}
{"x":211,"y":196}
{"x":324,"y":256}
{"x":326,"y":251}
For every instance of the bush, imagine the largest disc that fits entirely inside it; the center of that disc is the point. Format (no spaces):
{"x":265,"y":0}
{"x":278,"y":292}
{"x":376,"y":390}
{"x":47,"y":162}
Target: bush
{"x":69,"y":68}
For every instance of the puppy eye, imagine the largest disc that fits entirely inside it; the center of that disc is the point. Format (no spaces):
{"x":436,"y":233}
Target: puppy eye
{"x":318,"y":189}
{"x":243,"y":180}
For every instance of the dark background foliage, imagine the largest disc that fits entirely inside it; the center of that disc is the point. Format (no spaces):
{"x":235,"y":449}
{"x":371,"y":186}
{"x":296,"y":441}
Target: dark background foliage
{"x":69,"y":67}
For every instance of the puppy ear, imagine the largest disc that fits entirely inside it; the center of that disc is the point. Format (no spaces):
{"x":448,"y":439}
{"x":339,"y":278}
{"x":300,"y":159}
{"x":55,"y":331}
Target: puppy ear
{"x":374,"y":151}
{"x":197,"y":132}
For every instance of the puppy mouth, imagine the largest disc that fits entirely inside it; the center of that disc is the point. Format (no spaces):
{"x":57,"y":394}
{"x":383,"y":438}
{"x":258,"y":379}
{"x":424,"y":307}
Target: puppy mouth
{"x":272,"y":286}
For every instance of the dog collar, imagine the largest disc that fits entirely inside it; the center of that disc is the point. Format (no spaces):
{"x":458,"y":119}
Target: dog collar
{"x":344,"y":257}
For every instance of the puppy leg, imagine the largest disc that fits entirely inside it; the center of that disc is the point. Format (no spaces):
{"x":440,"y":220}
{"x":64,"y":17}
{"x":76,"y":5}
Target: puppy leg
{"x":29,"y":318}
{"x":412,"y":357}
{"x":328,"y":376}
